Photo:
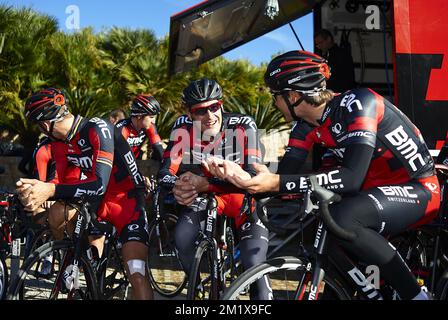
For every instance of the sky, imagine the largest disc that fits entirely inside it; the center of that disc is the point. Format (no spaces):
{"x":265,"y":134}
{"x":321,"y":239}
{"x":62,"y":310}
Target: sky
{"x":155,"y":15}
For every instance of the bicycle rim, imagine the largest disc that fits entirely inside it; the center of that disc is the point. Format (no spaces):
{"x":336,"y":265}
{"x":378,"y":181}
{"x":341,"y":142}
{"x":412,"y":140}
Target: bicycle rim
{"x":288,"y":279}
{"x":113,"y":281}
{"x":202,"y":286}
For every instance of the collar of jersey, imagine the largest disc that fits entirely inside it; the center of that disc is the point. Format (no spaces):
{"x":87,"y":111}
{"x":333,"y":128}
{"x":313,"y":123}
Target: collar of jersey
{"x":74,"y":129}
{"x":325,"y":114}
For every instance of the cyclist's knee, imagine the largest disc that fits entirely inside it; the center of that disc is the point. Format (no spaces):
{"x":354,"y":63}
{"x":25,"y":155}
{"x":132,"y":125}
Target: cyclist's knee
{"x":185,"y":233}
{"x":346,"y":219}
{"x":58,"y":216}
{"x":137,"y":269}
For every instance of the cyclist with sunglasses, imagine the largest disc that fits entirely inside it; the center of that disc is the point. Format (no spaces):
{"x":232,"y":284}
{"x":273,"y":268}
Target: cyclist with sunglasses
{"x":204,"y":131}
{"x":107,"y":177}
{"x":386,"y":177}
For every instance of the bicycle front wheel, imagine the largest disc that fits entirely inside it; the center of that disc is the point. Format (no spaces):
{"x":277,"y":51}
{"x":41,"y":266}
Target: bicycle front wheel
{"x":201,"y":284}
{"x":165,"y":270}
{"x":289,"y":280}
{"x":41,"y":276}
{"x":3,"y":277}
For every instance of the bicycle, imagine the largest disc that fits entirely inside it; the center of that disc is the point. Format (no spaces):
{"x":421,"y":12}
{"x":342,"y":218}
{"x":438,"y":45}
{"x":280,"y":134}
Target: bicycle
{"x":215,"y":261}
{"x":325,"y":273}
{"x":72,"y":274}
{"x":425,"y":249}
{"x":15,"y":226}
{"x":166,"y":274}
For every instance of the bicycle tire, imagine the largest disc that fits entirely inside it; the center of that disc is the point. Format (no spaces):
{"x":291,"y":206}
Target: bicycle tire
{"x":59,"y":249}
{"x":441,"y":291}
{"x":293,"y":264}
{"x":201,"y":285}
{"x":112,"y":279}
{"x":3,"y":277}
{"x":166,"y":273}
{"x":412,"y":249}
{"x":43,"y":236}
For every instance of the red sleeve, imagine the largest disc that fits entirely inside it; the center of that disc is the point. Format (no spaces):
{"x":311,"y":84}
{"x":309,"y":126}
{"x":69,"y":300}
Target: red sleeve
{"x":153,"y":135}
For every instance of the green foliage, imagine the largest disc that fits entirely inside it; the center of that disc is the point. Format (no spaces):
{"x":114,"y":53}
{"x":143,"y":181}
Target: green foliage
{"x":266,"y":116}
{"x":104,"y":71}
{"x":165,"y":122}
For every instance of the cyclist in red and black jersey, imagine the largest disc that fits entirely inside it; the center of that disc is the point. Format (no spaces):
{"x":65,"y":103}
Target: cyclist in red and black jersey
{"x":386,"y":175}
{"x":140,"y":127}
{"x":50,"y":163}
{"x":205,"y":131}
{"x":109,"y":178}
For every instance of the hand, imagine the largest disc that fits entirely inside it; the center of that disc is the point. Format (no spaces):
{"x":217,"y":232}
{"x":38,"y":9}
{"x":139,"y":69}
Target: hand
{"x":184,"y":190}
{"x":33,"y":193}
{"x":149,"y":185}
{"x":264,"y":181}
{"x":224,"y":168}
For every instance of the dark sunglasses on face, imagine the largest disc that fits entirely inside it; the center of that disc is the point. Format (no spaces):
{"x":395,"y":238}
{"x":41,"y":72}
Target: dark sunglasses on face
{"x":277,"y":93}
{"x":202,"y":111}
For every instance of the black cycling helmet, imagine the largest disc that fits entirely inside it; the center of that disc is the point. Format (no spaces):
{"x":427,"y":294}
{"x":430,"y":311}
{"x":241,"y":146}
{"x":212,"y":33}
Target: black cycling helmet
{"x":145,"y":105}
{"x":46,"y":104}
{"x":301,"y":71}
{"x":200,"y":91}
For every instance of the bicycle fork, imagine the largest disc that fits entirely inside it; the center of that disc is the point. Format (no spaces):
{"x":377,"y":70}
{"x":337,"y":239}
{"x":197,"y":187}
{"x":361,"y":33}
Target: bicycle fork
{"x":69,"y":272}
{"x":346,"y":267}
{"x":318,"y":271}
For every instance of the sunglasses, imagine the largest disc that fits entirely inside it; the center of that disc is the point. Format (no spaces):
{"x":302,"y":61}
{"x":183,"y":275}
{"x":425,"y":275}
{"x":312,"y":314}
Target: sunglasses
{"x":202,"y":111}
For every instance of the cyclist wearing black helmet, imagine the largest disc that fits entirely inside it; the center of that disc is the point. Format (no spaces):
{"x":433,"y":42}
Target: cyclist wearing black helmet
{"x":107,"y":178}
{"x":141,"y":127}
{"x":386,"y":175}
{"x":204,"y":131}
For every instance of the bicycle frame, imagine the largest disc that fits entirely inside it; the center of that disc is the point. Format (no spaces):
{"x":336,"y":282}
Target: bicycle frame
{"x":209,"y":235}
{"x":321,"y":257}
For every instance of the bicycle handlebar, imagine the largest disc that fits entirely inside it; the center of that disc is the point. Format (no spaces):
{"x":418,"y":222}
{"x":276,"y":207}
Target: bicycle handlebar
{"x":326,"y":197}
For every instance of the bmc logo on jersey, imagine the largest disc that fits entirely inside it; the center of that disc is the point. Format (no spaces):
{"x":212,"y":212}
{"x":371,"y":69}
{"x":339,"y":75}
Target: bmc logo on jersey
{"x":182,"y":120}
{"x":135,"y":141}
{"x":82,"y":162}
{"x":350,"y":102}
{"x":398,"y":191}
{"x":130,"y":161}
{"x":103,"y":127}
{"x":243,"y":120}
{"x":406,"y":146}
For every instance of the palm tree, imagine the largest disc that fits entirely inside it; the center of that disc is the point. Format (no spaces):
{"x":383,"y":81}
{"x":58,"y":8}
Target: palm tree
{"x":23,"y":65}
{"x":266,"y":116}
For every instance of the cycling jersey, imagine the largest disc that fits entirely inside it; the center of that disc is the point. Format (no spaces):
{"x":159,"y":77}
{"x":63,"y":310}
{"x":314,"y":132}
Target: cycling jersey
{"x":100,"y":153}
{"x":443,"y":155}
{"x":50,"y":163}
{"x":109,"y":177}
{"x":377,"y":143}
{"x":136,"y":139}
{"x":237,"y":141}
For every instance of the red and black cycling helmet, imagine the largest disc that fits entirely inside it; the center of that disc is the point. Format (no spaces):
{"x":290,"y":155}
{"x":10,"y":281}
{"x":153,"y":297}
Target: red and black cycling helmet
{"x":301,"y":71}
{"x":145,"y":105}
{"x":201,"y":90}
{"x":46,"y":104}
